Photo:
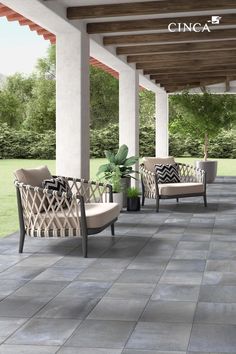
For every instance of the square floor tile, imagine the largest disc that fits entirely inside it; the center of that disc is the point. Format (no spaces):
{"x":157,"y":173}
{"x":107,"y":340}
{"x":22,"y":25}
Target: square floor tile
{"x":211,"y":293}
{"x":195,"y":265}
{"x":139,"y":276}
{"x":161,"y":336}
{"x":219,"y":278}
{"x":173,"y":292}
{"x":169,"y":311}
{"x":21,"y":306}
{"x":130,"y":291}
{"x":10,"y":325}
{"x":185,"y":278}
{"x":118,"y":309}
{"x":39,"y":331}
{"x":60,"y":307}
{"x":27,"y":349}
{"x":83,"y":289}
{"x":100,"y":274}
{"x":213,"y":338}
{"x":101,"y":334}
{"x":76,"y":350}
{"x":216,"y":313}
{"x":39,"y":288}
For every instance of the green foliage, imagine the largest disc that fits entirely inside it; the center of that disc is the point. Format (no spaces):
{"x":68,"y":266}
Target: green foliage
{"x":41,"y":109}
{"x":46,"y":67}
{"x":10,"y":109}
{"x":26,"y":144}
{"x":146,"y":107}
{"x":203,"y":115}
{"x":147,"y":140}
{"x":132,"y":192}
{"x":115,"y":181}
{"x":118,"y":160}
{"x":102,"y":139}
{"x":104,"y":98}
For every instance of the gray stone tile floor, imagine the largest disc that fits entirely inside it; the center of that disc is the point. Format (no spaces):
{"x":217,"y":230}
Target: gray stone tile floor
{"x":165,"y":284}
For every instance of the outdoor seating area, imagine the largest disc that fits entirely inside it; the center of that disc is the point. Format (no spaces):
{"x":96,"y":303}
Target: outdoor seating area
{"x":165,"y":283}
{"x":141,"y":259}
{"x":60,"y":207}
{"x":182,"y":181}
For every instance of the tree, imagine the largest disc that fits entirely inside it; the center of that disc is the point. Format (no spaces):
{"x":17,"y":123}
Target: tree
{"x":203,"y":115}
{"x":147,"y":107}
{"x":104,"y":98}
{"x":46,"y":67}
{"x":41,"y":109}
{"x":16,"y":93}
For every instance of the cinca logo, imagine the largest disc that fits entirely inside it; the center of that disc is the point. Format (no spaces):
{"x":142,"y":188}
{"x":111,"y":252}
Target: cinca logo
{"x":194,"y":27}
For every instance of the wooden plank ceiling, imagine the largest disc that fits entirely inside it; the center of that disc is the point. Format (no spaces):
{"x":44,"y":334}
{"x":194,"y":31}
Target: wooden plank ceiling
{"x":178,"y":60}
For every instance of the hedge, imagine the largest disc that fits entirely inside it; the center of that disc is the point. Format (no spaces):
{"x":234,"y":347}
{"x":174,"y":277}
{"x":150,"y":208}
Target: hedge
{"x":29,"y":145}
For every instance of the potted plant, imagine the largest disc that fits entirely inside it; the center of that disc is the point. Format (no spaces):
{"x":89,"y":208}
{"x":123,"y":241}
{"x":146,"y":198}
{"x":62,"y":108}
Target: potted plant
{"x":202,"y":116}
{"x":121,"y":160}
{"x":115,"y":181}
{"x":133,"y":199}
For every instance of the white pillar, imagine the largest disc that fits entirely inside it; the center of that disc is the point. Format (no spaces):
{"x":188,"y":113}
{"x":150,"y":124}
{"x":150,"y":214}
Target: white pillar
{"x":72,"y":105}
{"x":162,"y":122}
{"x":129,"y":112}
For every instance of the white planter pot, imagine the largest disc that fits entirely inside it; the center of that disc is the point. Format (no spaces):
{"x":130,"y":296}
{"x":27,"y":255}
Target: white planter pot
{"x":210,"y":167}
{"x":118,"y":198}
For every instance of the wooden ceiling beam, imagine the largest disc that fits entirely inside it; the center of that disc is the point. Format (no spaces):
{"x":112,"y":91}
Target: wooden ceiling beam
{"x":195,"y":84}
{"x":176,"y":47}
{"x":180,"y":56}
{"x":193,"y":75}
{"x":147,"y":8}
{"x":152,"y":24}
{"x":186,"y":70}
{"x":176,"y":37}
{"x":173,"y":88}
{"x":200,"y":79}
{"x":196,"y":63}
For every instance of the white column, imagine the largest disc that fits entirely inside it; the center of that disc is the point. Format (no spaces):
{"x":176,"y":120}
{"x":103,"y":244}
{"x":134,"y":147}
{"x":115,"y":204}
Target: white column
{"x":162,"y":122}
{"x":129,"y":112}
{"x":72,"y":105}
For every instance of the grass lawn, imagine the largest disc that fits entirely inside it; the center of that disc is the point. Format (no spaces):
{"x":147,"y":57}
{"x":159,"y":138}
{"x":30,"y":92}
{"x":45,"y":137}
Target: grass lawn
{"x":8,"y":209}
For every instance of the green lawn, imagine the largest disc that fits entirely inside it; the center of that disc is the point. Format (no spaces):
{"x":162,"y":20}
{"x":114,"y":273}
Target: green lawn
{"x":8,"y":210}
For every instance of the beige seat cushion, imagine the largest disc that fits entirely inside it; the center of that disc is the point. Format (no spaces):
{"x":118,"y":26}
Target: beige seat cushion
{"x":34,"y":176}
{"x":97,"y":215}
{"x":169,"y":189}
{"x":150,"y":162}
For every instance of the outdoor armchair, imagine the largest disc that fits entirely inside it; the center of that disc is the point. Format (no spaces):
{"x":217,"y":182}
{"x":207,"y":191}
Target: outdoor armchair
{"x":44,"y":213}
{"x":192,"y":181}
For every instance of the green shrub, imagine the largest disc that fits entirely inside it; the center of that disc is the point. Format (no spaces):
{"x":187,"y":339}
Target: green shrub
{"x":25,"y":144}
{"x":16,"y":144}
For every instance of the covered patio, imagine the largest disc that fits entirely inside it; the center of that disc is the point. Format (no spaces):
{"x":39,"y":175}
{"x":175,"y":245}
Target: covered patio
{"x":134,"y":40}
{"x":165,"y":284}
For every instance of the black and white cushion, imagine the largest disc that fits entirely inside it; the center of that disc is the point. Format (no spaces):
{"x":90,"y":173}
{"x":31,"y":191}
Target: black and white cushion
{"x":167,"y":173}
{"x":58,"y":184}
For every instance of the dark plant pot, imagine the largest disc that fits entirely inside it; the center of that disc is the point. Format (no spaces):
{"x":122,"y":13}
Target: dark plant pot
{"x":133,"y":204}
{"x":210,"y":167}
{"x":125,"y":184}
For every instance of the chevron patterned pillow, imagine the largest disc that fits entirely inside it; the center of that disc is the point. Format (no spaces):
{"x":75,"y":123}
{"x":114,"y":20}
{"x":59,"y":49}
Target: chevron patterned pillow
{"x":167,"y":173}
{"x":58,"y":184}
